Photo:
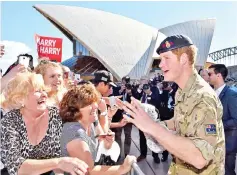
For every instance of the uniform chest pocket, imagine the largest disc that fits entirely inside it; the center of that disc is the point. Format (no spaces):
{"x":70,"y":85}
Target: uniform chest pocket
{"x":180,"y":122}
{"x":184,"y":115}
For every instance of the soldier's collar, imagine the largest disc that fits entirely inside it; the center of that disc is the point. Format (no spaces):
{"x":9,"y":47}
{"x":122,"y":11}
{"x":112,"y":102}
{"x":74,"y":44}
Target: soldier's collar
{"x":190,"y":82}
{"x":181,"y":93}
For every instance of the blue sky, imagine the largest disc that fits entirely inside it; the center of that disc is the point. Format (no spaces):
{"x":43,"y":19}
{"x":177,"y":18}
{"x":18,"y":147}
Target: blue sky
{"x":20,"y":21}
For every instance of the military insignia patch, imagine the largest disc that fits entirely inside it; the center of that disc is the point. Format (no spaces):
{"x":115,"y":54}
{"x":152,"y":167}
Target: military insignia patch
{"x":210,"y":129}
{"x":167,"y":44}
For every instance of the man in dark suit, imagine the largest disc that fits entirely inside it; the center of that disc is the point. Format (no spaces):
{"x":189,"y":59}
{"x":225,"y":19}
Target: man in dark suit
{"x":152,"y":95}
{"x":228,"y":97}
{"x":154,"y":99}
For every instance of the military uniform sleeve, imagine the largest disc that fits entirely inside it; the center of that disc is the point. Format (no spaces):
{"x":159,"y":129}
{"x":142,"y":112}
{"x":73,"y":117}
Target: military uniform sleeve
{"x":203,"y":128}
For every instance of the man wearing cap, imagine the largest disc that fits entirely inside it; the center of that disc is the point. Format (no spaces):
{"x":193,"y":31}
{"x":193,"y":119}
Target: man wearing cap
{"x":103,"y":81}
{"x":198,"y":147}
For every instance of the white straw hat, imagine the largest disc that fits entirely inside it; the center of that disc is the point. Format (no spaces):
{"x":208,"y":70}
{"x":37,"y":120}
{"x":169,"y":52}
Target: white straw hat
{"x":113,"y":152}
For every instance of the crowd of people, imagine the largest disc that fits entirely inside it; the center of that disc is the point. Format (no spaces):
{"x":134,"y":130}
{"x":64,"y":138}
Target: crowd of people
{"x":47,"y":118}
{"x":53,"y":124}
{"x":155,"y":92}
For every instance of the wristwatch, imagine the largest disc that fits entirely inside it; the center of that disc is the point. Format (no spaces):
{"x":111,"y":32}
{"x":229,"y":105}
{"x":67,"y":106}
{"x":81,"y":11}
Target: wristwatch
{"x":104,"y":113}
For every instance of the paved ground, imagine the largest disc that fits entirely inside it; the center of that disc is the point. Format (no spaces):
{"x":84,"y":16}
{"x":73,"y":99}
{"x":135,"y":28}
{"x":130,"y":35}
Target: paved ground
{"x":147,"y":166}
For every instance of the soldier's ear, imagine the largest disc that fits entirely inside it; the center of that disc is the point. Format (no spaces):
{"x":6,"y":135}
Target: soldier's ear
{"x":184,"y":59}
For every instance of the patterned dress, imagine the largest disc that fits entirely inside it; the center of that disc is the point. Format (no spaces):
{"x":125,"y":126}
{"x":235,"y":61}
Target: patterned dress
{"x":15,"y":147}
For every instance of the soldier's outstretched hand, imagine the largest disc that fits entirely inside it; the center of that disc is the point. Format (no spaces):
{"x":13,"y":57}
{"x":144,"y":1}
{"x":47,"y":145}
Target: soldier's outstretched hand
{"x":138,"y":116}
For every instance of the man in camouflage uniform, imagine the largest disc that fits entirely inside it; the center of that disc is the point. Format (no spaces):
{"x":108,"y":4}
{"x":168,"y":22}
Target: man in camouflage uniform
{"x":198,"y":147}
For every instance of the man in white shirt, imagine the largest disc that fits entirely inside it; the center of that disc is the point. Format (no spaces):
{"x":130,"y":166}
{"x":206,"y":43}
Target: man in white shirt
{"x":220,"y":89}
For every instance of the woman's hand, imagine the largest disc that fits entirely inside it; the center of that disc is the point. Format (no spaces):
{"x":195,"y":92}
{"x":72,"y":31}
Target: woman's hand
{"x":123,"y":122}
{"x":127,"y":164}
{"x":111,"y":112}
{"x":119,"y":103}
{"x":69,"y":83}
{"x":102,"y":105}
{"x":15,"y":70}
{"x":74,"y":166}
{"x":108,"y":139}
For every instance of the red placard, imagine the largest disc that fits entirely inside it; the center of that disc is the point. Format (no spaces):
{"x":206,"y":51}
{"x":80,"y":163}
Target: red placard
{"x":49,"y":47}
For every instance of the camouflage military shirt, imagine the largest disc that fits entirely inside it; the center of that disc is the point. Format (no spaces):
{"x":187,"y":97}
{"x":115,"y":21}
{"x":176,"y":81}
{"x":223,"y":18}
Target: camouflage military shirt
{"x":198,"y":113}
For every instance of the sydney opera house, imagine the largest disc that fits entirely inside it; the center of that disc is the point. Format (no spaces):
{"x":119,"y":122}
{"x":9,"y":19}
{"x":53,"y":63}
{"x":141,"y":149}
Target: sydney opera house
{"x":103,"y":40}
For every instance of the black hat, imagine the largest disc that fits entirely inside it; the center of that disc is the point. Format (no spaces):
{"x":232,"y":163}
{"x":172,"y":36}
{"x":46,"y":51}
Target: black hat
{"x":104,"y":76}
{"x":174,"y":42}
{"x":146,"y":86}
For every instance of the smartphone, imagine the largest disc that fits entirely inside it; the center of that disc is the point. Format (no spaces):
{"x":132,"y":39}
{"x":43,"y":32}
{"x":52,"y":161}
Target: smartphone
{"x":24,"y":60}
{"x":112,"y":101}
{"x":77,"y":77}
{"x":103,"y":135}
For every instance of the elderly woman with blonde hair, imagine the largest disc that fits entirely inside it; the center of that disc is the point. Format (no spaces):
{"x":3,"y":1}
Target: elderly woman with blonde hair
{"x":78,"y":110}
{"x":53,"y":78}
{"x":31,"y":131}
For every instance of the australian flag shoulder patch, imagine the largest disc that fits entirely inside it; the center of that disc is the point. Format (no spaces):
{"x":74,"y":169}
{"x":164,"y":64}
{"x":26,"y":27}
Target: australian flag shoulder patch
{"x":210,"y":129}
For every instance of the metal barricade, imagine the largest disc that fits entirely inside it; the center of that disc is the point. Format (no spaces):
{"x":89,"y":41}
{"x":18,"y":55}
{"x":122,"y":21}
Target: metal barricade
{"x":136,"y":170}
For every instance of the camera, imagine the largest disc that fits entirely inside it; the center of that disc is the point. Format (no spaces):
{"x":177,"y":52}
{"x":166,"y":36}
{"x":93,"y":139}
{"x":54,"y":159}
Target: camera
{"x":165,"y":84}
{"x":128,"y":86}
{"x":162,"y":78}
{"x":146,"y":87}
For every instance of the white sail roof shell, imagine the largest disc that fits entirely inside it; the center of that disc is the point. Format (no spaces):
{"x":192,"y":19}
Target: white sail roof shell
{"x":116,"y":41}
{"x":123,"y":45}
